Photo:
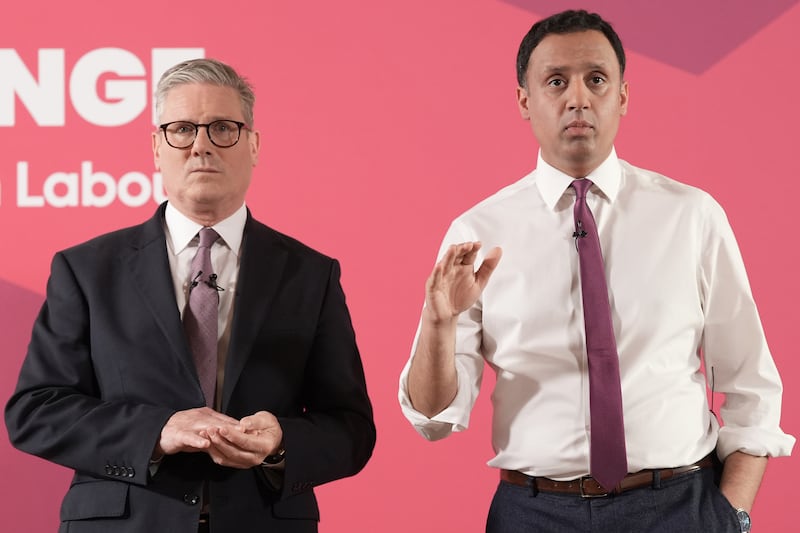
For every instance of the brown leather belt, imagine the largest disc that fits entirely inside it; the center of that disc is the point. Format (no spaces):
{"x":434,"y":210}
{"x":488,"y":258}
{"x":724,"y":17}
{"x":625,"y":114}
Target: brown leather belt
{"x":203,"y":523}
{"x":588,"y":487}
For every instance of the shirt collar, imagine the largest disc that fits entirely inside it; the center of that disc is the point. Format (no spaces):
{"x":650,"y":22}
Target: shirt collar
{"x":552,"y":182}
{"x":181,"y":230}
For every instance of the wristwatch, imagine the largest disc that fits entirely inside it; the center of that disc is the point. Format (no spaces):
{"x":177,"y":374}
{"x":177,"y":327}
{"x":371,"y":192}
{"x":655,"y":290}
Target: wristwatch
{"x":276,"y":458}
{"x":744,"y":520}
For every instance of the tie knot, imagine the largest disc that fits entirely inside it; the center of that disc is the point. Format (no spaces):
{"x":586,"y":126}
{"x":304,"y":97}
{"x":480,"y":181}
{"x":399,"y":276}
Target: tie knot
{"x":581,"y":186}
{"x":207,"y":237}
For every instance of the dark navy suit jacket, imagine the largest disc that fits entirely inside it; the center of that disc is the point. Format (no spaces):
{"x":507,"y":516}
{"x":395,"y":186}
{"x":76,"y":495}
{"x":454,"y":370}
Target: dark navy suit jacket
{"x":108,"y":364}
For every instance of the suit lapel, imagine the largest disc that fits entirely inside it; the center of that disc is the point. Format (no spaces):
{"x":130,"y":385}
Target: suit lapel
{"x":260,"y":271}
{"x":150,"y":275}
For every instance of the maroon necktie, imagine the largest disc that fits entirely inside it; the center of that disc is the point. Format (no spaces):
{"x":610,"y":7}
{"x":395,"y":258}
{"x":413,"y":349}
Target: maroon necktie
{"x":609,"y":462}
{"x":201,"y":315}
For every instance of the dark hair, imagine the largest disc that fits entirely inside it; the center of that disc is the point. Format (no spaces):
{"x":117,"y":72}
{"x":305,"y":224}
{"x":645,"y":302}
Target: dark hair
{"x":566,"y":22}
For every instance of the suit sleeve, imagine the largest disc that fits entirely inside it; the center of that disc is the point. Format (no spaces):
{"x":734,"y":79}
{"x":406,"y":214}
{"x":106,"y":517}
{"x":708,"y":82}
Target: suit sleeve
{"x":335,"y":435}
{"x":59,"y":410}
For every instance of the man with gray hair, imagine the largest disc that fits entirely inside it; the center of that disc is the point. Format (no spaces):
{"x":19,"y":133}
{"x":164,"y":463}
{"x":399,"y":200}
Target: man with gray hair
{"x":199,"y":371}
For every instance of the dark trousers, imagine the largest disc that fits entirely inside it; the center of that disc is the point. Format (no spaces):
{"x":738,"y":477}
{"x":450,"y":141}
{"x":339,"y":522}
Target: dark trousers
{"x":690,"y":503}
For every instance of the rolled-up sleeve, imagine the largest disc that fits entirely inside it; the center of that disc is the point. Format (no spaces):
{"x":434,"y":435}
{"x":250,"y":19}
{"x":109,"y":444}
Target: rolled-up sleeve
{"x":738,"y":361}
{"x":469,"y":364}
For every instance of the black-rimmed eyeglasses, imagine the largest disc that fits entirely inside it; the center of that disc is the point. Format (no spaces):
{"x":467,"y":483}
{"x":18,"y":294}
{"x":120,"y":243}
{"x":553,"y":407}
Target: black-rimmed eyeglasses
{"x":222,"y":133}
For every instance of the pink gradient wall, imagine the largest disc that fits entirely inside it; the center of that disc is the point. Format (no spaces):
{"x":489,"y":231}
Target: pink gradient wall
{"x":381,"y":121}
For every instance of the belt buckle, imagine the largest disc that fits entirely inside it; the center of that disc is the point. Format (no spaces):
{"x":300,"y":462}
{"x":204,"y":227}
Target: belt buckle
{"x":584,"y":494}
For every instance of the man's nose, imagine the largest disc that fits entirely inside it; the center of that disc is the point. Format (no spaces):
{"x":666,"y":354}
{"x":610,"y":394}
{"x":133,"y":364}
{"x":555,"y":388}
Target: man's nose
{"x":202,"y":142}
{"x":578,"y":95}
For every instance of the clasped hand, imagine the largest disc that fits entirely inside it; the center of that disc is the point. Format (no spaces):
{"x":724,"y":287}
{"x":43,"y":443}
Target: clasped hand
{"x":235,"y":443}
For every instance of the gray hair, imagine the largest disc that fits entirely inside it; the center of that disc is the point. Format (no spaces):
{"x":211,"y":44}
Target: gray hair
{"x":208,"y":71}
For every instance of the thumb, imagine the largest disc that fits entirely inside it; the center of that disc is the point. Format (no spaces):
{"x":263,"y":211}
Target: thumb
{"x":488,"y":265}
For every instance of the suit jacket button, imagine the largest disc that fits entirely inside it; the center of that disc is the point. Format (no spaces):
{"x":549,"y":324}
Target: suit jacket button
{"x":109,"y":470}
{"x":131,"y":471}
{"x":191,"y":499}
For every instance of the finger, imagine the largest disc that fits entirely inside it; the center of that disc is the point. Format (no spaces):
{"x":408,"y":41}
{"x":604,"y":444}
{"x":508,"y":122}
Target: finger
{"x":455,"y":255}
{"x":469,"y":252}
{"x":259,"y":442}
{"x":221,"y":451}
{"x":493,"y":256}
{"x":450,"y":257}
{"x":197,"y":420}
{"x":235,"y":437}
{"x":189,"y":440}
{"x":228,"y":442}
{"x":259,"y":420}
{"x":435,"y":279}
{"x":229,"y":453}
{"x":216,"y":416}
{"x":490,"y":262}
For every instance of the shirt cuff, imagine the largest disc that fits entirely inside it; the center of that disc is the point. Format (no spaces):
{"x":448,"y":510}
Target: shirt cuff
{"x":759,"y":442}
{"x":153,"y":466}
{"x":453,"y":418}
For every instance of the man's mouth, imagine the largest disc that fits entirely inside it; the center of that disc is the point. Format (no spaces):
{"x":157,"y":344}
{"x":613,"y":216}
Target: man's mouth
{"x":579,"y":126}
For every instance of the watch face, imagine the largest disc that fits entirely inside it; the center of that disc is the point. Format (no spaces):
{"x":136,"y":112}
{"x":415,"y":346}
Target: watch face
{"x":744,"y":520}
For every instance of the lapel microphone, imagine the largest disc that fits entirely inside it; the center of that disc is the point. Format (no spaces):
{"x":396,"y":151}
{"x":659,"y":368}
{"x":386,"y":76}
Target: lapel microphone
{"x":212,"y":282}
{"x":579,"y":232}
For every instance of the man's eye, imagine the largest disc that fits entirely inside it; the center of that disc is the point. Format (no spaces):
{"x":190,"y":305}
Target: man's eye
{"x":556,"y":83}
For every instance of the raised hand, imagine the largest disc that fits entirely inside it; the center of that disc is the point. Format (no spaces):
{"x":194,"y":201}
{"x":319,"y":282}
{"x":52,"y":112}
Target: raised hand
{"x":454,"y":285}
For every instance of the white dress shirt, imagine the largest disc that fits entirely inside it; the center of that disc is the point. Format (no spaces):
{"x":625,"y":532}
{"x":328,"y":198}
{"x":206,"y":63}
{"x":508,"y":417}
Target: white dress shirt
{"x":182,"y":241}
{"x":677,"y":288}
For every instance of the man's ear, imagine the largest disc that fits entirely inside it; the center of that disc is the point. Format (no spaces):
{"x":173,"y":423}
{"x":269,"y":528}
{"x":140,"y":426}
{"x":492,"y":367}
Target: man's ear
{"x":157,"y":148}
{"x":523,"y":101}
{"x":254,"y":143}
{"x":623,"y":98}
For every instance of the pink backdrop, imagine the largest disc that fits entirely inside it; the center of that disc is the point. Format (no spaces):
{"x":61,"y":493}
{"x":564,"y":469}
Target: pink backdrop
{"x":382,"y":121}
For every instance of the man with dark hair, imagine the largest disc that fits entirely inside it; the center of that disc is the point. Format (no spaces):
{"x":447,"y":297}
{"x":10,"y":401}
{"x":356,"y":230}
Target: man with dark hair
{"x":566,"y":22}
{"x":613,"y":281}
{"x":198,"y":371}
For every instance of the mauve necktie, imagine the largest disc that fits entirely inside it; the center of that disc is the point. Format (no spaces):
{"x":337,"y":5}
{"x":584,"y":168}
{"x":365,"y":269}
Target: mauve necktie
{"x":201,"y":314}
{"x":609,"y":462}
